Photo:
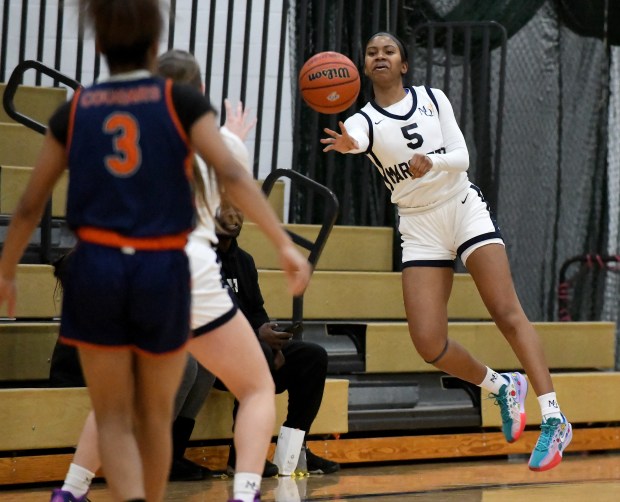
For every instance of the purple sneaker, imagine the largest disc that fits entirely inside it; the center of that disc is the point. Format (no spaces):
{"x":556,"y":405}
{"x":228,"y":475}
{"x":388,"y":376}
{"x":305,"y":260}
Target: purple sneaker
{"x":59,"y":495}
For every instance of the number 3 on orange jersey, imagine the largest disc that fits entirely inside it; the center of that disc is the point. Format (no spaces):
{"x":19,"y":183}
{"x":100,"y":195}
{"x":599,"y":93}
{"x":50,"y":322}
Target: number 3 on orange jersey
{"x":127,"y":155}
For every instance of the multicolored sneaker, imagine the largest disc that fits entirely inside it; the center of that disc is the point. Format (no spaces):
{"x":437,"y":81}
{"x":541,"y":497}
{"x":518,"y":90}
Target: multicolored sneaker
{"x":555,"y":436}
{"x":511,"y":400}
{"x":59,"y":495}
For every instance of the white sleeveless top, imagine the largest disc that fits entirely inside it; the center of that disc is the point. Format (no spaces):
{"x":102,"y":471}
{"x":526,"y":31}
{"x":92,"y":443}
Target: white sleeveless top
{"x":205,"y":225}
{"x":422,"y":122}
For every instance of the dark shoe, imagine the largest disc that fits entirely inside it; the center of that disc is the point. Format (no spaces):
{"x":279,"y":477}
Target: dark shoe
{"x":269,"y":471}
{"x":182,"y":429}
{"x":319,"y":465}
{"x":186,"y":470}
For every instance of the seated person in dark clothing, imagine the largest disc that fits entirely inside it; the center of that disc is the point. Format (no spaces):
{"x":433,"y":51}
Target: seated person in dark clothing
{"x":296,"y":366}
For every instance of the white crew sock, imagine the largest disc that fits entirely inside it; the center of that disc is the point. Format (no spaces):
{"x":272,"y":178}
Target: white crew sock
{"x":493,"y":381}
{"x":78,"y":480}
{"x":549,"y":406}
{"x":245,"y":486}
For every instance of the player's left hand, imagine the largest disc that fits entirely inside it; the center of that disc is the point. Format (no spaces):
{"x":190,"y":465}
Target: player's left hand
{"x":238,"y":119}
{"x":419,"y":165}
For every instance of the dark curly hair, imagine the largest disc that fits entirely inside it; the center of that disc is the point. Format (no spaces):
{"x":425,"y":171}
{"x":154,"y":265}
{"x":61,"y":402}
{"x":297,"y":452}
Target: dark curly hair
{"x":125,"y":30}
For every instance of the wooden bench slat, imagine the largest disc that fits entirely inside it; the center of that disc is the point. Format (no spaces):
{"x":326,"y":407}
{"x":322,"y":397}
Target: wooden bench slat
{"x":38,"y":294}
{"x":26,"y":349}
{"x":571,"y":345}
{"x":19,"y":146}
{"x":585,"y":397}
{"x":348,"y":248}
{"x":53,"y":418}
{"x":361,"y":296}
{"x":331,"y":295}
{"x":38,"y":102}
{"x":14,"y":176}
{"x":13,"y":180}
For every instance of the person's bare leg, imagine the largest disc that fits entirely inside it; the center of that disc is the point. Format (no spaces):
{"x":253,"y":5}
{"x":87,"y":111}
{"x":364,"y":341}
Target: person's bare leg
{"x":85,"y":462}
{"x":233,"y":354}
{"x":157,"y":381}
{"x":87,"y":451}
{"x":489,"y":267}
{"x":110,"y":378}
{"x":426,"y":291}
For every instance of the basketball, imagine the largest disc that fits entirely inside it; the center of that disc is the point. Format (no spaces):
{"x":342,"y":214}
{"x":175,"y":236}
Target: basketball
{"x":329,"y":82}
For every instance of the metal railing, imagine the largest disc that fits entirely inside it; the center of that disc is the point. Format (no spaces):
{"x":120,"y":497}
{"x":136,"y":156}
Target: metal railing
{"x":45,"y":248}
{"x":585,"y":269}
{"x":231,"y":78}
{"x":329,"y":215}
{"x":249,"y":48}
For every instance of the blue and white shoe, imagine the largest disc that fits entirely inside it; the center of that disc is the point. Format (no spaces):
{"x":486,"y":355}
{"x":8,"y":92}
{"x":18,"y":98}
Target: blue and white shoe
{"x":511,"y":402}
{"x":555,"y":436}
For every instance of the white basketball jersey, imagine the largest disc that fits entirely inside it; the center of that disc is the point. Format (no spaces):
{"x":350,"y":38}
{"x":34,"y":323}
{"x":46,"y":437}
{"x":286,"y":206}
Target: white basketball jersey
{"x":394,"y":138}
{"x":205,"y":225}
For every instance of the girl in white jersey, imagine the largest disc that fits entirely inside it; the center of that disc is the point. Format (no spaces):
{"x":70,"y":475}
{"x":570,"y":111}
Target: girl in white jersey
{"x":413,"y":139}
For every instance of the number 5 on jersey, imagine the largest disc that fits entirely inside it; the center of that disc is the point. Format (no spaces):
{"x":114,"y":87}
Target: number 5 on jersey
{"x":415,"y":139}
{"x":125,"y":132}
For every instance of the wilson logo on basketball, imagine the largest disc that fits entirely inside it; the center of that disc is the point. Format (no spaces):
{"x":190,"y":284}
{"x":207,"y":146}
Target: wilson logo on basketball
{"x":334,"y":96}
{"x":330,"y":73}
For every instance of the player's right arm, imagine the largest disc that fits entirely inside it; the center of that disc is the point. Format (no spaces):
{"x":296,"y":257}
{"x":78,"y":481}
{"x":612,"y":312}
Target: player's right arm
{"x":353,"y":136}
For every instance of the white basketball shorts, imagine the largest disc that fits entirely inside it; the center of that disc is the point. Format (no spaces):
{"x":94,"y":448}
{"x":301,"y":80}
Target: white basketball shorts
{"x":458,"y":227}
{"x":212,"y":304}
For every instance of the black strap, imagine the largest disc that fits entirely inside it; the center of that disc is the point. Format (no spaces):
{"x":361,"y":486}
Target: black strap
{"x":443,"y":353}
{"x":370,"y":131}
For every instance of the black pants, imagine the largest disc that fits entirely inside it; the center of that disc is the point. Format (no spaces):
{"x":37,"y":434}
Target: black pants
{"x":65,"y":368}
{"x":303,"y":376}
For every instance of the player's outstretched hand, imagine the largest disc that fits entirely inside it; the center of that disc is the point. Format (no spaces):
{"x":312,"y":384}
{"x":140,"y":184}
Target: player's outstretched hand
{"x":340,"y":142}
{"x":238,"y":119}
{"x":297,"y":269}
{"x":8,"y":294}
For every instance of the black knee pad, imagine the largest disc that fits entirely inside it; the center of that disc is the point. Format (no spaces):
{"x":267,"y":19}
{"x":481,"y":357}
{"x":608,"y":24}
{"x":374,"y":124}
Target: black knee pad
{"x":441,"y":354}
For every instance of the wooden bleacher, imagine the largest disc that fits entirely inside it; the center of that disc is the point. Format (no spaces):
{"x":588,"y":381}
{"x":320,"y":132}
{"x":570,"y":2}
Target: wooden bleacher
{"x":12,"y":181}
{"x":354,"y":283}
{"x":38,"y":419}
